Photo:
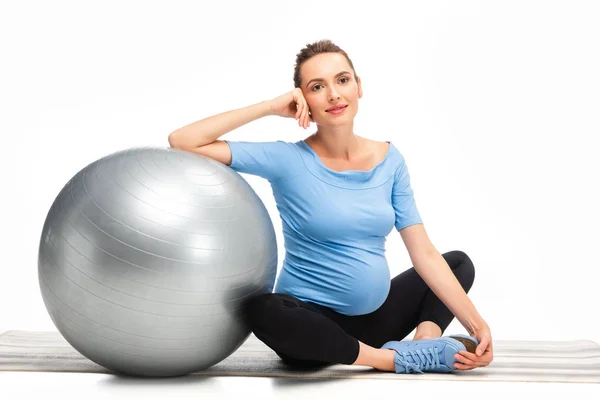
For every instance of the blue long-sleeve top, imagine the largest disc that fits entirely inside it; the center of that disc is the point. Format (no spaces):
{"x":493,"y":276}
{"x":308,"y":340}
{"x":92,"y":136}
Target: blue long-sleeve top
{"x":334,"y":223}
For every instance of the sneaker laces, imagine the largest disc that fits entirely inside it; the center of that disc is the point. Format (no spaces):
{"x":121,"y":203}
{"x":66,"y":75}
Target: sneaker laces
{"x":419,"y":359}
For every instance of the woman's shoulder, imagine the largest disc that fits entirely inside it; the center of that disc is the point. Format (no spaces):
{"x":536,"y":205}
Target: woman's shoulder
{"x":379,"y":149}
{"x":384,"y":150}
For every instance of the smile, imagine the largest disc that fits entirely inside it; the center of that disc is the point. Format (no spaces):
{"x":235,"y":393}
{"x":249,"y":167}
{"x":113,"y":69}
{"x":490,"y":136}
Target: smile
{"x":337,"y":111}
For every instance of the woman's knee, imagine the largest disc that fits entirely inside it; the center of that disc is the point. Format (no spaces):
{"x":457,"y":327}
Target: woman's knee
{"x":467,"y":270}
{"x":261,"y":309}
{"x":462,"y":266}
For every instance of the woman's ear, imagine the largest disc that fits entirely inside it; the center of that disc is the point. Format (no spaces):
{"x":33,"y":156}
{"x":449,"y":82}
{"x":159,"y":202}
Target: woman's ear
{"x":360,"y":92}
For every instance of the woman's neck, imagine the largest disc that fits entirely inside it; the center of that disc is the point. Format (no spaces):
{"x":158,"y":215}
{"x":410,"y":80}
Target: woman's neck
{"x":339,"y":144}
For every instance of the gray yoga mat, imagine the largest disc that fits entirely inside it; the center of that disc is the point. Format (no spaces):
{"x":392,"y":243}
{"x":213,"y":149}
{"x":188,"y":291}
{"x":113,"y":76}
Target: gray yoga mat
{"x":576,"y":361}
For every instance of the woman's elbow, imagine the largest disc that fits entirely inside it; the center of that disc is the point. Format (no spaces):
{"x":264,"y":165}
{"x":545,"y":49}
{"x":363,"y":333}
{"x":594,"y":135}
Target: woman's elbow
{"x":174,"y":140}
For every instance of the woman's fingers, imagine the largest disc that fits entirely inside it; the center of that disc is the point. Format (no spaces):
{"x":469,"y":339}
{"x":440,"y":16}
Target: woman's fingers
{"x":472,"y":359}
{"x":307,"y":117}
{"x":304,"y":114}
{"x":469,"y":356}
{"x":483,"y":346}
{"x":464,"y":360}
{"x":465,"y":363}
{"x":302,"y":110}
{"x":463,"y":367}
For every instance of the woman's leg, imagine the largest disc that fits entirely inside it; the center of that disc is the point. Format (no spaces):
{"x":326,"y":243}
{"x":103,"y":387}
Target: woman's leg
{"x":303,"y":337}
{"x":309,"y":335}
{"x":298,"y":332}
{"x":410,"y":303}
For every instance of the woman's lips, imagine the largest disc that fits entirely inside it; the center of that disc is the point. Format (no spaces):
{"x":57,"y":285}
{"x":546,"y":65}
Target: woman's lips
{"x":337,"y":111}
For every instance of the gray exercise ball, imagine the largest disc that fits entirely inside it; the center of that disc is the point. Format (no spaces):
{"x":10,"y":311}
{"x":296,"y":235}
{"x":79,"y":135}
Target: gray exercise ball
{"x":147,"y":256}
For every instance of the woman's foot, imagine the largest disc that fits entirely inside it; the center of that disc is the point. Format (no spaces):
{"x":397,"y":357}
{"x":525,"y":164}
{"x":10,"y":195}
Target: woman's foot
{"x":469,"y":342}
{"x":425,"y":355}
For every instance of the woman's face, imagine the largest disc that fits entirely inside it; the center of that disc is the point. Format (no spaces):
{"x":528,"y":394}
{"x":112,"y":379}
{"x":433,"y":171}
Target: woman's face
{"x":328,"y":80}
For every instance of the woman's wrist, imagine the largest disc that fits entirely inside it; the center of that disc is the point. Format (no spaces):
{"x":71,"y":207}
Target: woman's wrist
{"x":475,"y":324}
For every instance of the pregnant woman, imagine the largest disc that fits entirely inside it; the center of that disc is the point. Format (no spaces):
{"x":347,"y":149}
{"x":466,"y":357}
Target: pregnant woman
{"x":339,"y":195}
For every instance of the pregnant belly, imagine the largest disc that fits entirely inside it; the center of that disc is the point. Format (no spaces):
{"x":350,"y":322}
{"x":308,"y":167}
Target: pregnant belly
{"x":356,"y":289}
{"x":366,"y":291}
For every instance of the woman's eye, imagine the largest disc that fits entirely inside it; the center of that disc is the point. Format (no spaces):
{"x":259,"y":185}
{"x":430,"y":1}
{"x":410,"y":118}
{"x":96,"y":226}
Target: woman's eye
{"x":313,"y":88}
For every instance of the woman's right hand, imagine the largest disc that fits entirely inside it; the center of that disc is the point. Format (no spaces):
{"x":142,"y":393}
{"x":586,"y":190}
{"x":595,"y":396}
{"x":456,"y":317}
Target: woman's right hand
{"x":292,"y":105}
{"x":484,"y":353}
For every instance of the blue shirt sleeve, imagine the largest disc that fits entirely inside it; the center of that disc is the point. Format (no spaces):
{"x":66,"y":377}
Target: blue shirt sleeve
{"x":269,"y":160}
{"x":403,"y":199}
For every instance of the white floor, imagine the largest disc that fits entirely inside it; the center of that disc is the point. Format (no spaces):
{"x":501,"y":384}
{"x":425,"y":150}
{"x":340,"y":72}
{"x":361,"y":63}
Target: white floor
{"x":26,"y":385}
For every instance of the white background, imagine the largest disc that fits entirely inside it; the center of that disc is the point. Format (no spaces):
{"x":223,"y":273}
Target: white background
{"x":493,"y":104}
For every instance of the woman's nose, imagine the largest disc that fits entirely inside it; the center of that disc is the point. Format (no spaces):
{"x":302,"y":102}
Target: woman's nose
{"x":333,"y":95}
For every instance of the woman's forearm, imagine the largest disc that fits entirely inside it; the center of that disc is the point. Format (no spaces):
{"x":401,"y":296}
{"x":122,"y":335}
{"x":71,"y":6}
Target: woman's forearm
{"x":207,"y":130}
{"x":439,"y":277}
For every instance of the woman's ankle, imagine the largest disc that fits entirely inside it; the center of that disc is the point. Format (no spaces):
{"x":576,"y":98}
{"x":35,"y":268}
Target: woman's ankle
{"x":427,"y":330}
{"x":423,"y":337}
{"x":380,"y":359}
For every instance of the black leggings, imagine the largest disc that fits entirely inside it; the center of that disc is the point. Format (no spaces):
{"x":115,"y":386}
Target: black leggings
{"x":305,"y":334}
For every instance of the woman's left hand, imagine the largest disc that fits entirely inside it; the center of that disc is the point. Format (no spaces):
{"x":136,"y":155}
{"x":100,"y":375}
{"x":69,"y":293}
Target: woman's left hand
{"x":483,"y":356}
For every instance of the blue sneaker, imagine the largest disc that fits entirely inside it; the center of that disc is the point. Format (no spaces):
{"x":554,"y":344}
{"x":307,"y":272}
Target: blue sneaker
{"x":470,"y":342}
{"x":432,"y":355}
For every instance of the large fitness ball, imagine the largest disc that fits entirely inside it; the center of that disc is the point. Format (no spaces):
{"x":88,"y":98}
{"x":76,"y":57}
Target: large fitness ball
{"x":147,"y":256}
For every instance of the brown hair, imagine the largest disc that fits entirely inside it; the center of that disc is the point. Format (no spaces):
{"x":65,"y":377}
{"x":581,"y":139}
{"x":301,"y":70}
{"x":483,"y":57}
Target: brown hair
{"x":311,"y":50}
